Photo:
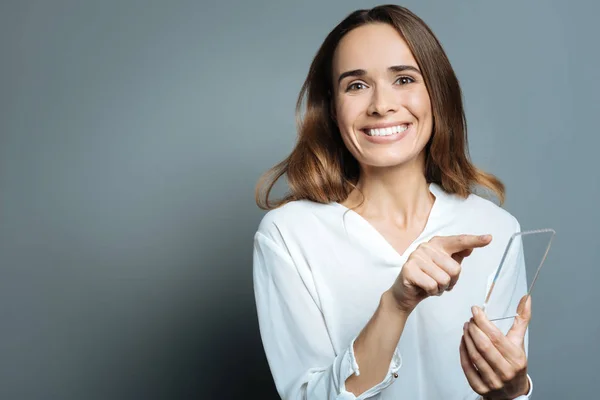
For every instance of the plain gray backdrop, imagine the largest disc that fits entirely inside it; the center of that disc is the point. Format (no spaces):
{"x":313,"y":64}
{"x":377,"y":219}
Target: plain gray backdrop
{"x":132,"y":134}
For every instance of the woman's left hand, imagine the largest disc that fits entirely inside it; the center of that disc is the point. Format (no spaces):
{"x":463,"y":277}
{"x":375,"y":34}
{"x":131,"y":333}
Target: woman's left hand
{"x":496,"y":365}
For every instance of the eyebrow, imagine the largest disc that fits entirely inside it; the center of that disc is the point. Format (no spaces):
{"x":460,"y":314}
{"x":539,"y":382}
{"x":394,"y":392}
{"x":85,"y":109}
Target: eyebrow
{"x":393,"y":68}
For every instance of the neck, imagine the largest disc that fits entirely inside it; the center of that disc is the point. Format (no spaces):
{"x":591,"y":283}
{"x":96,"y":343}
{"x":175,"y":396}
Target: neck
{"x":399,"y":193}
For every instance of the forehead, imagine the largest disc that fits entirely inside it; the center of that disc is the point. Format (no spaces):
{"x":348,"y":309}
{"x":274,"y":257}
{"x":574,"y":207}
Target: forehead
{"x":371,"y":47}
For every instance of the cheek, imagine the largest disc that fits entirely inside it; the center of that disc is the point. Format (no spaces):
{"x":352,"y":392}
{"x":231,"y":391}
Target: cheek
{"x":423,"y":102}
{"x":420,"y":105}
{"x":348,"y":111}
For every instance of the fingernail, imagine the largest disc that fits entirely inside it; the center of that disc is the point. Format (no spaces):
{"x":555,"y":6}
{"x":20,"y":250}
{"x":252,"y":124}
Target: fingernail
{"x":484,"y":237}
{"x":474,"y":310}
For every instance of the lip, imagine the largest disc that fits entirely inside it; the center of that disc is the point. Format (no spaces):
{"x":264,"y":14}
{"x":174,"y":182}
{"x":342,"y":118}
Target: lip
{"x":387,"y":139}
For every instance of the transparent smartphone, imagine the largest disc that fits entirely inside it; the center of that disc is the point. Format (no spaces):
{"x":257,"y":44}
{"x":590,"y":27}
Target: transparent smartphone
{"x":530,"y":248}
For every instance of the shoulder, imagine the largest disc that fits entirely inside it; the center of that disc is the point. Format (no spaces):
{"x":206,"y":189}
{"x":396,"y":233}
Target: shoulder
{"x":481,"y":210}
{"x":296,"y":215}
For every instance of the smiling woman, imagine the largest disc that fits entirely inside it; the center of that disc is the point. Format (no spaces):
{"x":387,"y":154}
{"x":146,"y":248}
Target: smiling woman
{"x":392,"y":38}
{"x":380,"y":221}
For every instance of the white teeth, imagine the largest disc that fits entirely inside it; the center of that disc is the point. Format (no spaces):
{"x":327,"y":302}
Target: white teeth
{"x":387,"y":131}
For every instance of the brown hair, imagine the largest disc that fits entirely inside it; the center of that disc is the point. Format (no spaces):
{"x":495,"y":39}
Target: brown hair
{"x":320,"y":167}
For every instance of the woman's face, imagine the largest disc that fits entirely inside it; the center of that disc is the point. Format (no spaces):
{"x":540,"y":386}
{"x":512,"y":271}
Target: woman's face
{"x":381,"y":105}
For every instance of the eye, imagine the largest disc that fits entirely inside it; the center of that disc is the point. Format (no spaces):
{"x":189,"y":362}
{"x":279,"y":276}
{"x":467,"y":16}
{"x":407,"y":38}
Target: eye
{"x":355,"y":86}
{"x":405,"y":80}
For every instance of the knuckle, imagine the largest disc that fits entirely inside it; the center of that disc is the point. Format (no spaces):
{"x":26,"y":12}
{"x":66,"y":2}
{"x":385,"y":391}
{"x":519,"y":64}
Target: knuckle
{"x":436,"y":242}
{"x":521,"y":364}
{"x":476,"y":358}
{"x":424,"y":251}
{"x":454,"y":275}
{"x":485,"y":347}
{"x":507,"y":376}
{"x":455,"y":269}
{"x":424,"y":246}
{"x":445,"y":280}
{"x":431,"y":289}
{"x":494,"y":338}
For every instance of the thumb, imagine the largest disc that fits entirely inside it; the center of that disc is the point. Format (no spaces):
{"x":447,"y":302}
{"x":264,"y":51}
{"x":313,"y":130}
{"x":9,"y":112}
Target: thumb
{"x":516,"y":334}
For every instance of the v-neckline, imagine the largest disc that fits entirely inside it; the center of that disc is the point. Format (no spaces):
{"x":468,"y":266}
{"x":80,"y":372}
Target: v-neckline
{"x":382,"y":242}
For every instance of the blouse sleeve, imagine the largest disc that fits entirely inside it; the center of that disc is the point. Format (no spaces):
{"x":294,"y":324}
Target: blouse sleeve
{"x":297,"y":345}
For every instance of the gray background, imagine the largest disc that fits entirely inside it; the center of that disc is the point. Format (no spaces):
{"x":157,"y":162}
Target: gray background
{"x":132,"y":134}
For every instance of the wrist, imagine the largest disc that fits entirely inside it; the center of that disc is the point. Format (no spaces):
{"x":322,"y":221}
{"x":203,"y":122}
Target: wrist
{"x":527,"y":388}
{"x":525,"y":392}
{"x":389,"y":305}
{"x":522,"y":395}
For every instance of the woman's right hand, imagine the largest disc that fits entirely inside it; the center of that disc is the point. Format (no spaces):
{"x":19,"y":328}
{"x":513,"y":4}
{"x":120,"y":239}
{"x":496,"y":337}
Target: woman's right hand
{"x":433,"y":268}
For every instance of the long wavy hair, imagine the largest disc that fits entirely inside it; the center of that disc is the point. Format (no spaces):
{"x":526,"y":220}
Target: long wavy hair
{"x":321,"y":169}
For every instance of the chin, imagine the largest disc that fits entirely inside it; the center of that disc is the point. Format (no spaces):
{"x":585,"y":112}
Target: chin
{"x":388,"y":162}
{"x":390,"y":159}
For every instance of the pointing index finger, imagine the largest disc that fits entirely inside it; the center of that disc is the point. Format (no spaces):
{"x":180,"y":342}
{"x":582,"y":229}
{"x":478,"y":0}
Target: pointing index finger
{"x":458,"y":243}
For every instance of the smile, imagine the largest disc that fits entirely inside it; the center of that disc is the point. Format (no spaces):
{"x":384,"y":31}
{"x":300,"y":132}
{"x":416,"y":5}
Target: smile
{"x":387,"y":134}
{"x":389,"y":131}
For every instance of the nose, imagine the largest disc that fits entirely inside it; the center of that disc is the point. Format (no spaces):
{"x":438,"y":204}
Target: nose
{"x":383,"y":101}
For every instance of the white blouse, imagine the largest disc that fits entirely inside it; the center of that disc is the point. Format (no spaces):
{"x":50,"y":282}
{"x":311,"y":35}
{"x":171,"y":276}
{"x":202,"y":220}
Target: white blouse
{"x":319,"y":272}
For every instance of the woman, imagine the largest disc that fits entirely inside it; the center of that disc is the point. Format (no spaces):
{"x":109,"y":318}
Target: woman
{"x":380,"y":221}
